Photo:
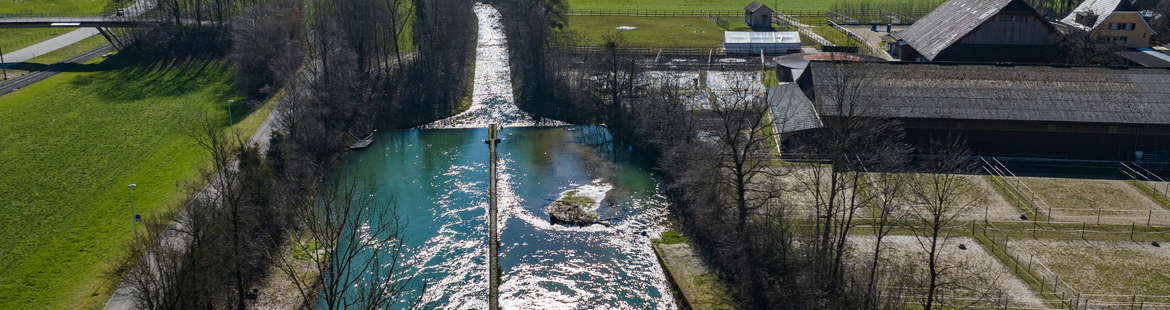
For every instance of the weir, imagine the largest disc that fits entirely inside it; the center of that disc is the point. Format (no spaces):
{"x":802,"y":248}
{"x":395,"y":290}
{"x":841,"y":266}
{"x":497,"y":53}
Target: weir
{"x":437,"y":174}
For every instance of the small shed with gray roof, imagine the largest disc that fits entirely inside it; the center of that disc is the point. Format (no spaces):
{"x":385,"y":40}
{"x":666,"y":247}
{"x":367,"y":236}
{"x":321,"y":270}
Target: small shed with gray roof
{"x":757,"y":15}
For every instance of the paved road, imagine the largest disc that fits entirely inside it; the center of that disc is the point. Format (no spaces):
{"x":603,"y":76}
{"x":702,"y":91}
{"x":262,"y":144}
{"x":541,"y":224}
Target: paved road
{"x":23,"y":81}
{"x":50,"y":45}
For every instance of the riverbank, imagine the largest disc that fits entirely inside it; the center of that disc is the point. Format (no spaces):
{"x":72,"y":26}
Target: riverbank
{"x":698,"y":286}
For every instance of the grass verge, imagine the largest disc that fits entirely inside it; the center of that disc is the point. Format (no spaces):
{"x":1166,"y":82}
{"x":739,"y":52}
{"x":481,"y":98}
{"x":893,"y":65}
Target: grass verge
{"x":56,"y":56}
{"x":836,"y":36}
{"x":72,"y":144}
{"x":1149,"y":192}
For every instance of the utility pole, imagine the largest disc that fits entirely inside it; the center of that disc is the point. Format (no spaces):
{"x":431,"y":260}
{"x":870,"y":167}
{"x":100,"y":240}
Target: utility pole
{"x":494,"y":271}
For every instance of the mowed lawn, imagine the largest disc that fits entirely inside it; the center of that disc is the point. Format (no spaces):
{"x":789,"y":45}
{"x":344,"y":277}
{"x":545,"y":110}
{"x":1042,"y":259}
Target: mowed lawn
{"x":705,"y":5}
{"x":18,"y":38}
{"x":650,"y":31}
{"x":71,"y":145}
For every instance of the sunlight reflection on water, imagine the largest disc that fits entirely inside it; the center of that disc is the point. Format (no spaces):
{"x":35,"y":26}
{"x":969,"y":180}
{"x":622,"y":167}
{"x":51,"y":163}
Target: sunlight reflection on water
{"x":440,"y":181}
{"x":491,"y":98}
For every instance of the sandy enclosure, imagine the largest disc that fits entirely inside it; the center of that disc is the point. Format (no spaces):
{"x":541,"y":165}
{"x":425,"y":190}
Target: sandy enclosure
{"x":799,"y":194}
{"x":993,"y":206}
{"x":976,"y":263}
{"x":1104,"y":267}
{"x":1078,"y":200}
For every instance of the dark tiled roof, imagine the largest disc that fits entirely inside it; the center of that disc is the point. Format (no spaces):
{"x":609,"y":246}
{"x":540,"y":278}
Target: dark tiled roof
{"x":1101,"y":8}
{"x":1013,"y":93}
{"x":755,"y":5}
{"x":791,"y":110}
{"x":951,"y":21}
{"x":1147,"y":57}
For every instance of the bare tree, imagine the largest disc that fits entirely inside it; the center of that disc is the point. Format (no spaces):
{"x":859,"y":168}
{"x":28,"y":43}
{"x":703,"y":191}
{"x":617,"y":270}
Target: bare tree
{"x":888,"y":188}
{"x":1090,"y":47}
{"x":855,"y":135}
{"x":357,"y":246}
{"x":743,"y":132}
{"x":939,"y":195}
{"x":613,"y":80}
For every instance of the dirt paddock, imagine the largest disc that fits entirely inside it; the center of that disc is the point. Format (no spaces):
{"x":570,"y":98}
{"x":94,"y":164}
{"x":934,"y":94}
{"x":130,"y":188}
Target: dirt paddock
{"x":997,"y":281}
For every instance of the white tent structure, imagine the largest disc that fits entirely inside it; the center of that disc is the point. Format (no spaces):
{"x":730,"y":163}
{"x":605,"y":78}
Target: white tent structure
{"x":738,"y":42}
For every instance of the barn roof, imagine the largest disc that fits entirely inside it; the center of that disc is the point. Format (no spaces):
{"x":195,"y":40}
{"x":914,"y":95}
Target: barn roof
{"x":951,"y":21}
{"x":755,"y":5}
{"x":1147,"y":57}
{"x":1009,"y":93}
{"x":791,"y":110}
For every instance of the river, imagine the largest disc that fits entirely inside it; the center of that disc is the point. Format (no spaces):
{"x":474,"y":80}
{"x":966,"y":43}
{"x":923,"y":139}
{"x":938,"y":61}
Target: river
{"x":437,"y":175}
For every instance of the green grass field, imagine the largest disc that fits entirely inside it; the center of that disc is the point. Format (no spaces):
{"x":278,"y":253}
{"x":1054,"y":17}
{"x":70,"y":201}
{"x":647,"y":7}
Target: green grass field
{"x":650,"y":32}
{"x":52,"y":5}
{"x":707,"y":5}
{"x":836,"y":36}
{"x":72,"y":143}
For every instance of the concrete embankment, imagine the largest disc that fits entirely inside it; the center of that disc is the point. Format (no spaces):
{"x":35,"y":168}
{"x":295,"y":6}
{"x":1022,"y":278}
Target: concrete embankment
{"x":699,"y":288}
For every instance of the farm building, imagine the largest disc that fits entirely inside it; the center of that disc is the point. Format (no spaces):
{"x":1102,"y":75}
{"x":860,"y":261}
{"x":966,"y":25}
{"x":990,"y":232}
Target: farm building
{"x":1058,"y":112}
{"x":979,"y":31}
{"x":757,"y":15}
{"x":1119,"y":20}
{"x":739,"y":42}
{"x":1146,"y":57}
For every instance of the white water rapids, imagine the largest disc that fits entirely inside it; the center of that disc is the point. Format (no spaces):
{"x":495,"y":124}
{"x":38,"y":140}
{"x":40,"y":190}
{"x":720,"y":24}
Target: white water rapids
{"x":492,"y":101}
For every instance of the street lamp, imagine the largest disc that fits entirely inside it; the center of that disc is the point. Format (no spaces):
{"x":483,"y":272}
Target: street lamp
{"x":231,"y":123}
{"x":137,"y":217}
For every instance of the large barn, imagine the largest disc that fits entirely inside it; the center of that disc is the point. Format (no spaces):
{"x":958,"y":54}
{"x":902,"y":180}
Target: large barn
{"x":1059,"y":112}
{"x":979,"y":31}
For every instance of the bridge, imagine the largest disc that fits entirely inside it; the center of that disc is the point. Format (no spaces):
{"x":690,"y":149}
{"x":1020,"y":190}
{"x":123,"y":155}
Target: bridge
{"x":9,"y":21}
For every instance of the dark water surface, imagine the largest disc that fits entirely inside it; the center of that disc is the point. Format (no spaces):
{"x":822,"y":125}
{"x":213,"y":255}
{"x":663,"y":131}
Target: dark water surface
{"x":439,"y":180}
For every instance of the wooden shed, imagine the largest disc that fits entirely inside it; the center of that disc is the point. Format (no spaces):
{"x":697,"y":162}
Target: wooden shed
{"x":757,"y":15}
{"x":980,"y":31}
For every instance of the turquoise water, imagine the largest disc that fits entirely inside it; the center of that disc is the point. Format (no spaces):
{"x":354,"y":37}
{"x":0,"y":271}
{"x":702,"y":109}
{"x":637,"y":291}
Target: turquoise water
{"x":439,"y":180}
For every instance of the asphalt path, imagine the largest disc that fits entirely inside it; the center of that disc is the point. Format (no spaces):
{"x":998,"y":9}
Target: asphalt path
{"x":25,"y":54}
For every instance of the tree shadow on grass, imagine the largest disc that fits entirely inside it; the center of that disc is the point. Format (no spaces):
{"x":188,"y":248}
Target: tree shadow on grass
{"x":124,"y":77}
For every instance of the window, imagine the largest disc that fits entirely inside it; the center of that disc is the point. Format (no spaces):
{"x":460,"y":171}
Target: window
{"x":1129,"y":26}
{"x":1120,"y":40}
{"x":1113,"y":26}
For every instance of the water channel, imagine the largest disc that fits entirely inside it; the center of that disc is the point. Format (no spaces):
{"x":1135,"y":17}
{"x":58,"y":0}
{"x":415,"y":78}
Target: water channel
{"x":438,"y":177}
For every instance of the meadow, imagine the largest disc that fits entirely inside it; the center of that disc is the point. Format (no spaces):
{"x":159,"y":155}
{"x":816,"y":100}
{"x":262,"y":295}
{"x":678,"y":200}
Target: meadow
{"x":706,"y":5}
{"x":72,"y":144}
{"x":649,"y":31}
